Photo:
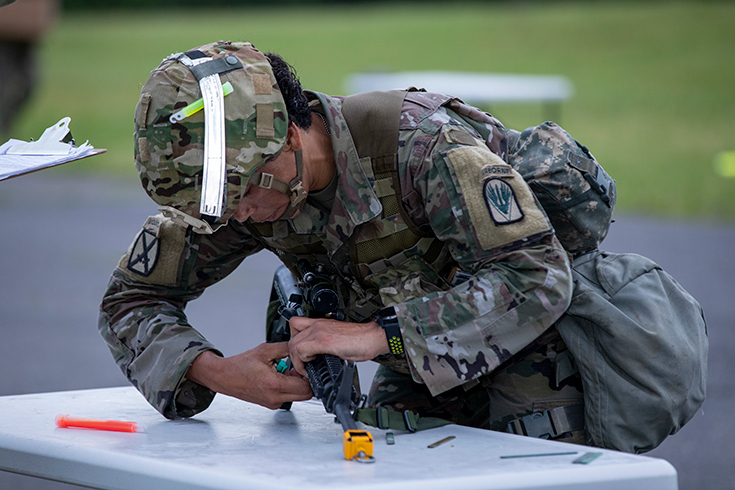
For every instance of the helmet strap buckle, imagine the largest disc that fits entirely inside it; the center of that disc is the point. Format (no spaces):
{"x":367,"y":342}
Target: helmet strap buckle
{"x":298,"y":194}
{"x":266,"y":180}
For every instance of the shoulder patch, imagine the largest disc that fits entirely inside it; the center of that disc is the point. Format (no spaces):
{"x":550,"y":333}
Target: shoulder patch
{"x":500,"y":204}
{"x":144,"y":254}
{"x":157,"y":252}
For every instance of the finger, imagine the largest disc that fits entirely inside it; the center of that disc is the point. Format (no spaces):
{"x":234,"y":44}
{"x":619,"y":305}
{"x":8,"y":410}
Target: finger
{"x":298,"y":364}
{"x":295,"y":388}
{"x":299,"y":324}
{"x":270,"y":352}
{"x":307,"y":349}
{"x":298,"y":356}
{"x":293,"y":372}
{"x":274,"y":389}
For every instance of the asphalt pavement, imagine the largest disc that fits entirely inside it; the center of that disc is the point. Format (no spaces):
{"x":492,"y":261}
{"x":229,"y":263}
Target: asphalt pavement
{"x":61,"y":236}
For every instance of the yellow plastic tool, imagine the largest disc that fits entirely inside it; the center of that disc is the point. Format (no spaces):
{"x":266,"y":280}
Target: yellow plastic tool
{"x":358,"y":446}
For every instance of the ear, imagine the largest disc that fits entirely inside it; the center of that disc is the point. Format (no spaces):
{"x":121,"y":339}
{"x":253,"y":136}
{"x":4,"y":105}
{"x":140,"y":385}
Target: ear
{"x":293,"y":138}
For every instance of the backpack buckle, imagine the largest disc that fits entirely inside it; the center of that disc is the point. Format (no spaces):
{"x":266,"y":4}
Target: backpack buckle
{"x":601,"y":184}
{"x":533,"y":425}
{"x":549,"y":423}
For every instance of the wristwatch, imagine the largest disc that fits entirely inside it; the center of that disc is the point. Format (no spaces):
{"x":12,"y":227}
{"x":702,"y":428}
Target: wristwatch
{"x":388,"y":320}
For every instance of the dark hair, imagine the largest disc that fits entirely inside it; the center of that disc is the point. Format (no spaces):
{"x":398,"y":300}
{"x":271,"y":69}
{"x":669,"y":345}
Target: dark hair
{"x":297,"y":105}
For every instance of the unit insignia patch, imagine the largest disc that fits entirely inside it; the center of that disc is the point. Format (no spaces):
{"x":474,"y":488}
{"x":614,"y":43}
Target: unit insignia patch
{"x":144,"y":254}
{"x":500,"y":199}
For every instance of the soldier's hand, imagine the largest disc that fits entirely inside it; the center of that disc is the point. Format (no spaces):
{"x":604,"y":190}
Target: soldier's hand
{"x":251,"y":376}
{"x":348,"y":341}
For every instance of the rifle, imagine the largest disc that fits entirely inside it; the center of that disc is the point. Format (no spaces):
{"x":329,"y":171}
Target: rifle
{"x":315,"y":296}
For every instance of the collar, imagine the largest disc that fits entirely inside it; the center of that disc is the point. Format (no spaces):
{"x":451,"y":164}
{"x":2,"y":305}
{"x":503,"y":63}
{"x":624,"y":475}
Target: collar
{"x":355,"y":201}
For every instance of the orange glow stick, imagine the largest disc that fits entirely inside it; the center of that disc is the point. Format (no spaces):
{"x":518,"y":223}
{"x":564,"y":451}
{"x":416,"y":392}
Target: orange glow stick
{"x":65,"y":421}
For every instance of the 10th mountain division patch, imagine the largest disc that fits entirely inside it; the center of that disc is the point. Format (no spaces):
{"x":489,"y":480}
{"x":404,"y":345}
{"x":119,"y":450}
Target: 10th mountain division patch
{"x":144,"y":255}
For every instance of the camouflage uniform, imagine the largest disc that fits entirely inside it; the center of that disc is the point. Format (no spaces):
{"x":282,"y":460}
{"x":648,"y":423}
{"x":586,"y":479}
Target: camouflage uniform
{"x":476,"y":343}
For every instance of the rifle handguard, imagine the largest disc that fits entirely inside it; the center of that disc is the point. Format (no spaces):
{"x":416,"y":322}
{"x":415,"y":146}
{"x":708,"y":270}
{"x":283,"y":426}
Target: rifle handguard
{"x":329,"y":376}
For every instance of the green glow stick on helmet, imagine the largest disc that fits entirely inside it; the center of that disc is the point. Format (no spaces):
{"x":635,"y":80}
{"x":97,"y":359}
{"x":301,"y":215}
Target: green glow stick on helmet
{"x":197,"y":165}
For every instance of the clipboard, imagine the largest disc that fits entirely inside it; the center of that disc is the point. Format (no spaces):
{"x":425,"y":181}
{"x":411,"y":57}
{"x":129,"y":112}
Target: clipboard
{"x":54,"y":147}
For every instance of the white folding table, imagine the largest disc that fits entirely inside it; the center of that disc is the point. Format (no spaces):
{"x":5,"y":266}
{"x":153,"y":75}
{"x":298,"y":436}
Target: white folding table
{"x":237,"y":445}
{"x":480,"y":89}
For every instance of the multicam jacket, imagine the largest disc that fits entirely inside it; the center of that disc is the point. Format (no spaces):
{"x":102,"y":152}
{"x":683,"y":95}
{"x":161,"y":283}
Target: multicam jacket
{"x":396,"y":235}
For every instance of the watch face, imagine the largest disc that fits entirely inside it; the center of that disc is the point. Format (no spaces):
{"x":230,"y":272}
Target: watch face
{"x":387,"y":313}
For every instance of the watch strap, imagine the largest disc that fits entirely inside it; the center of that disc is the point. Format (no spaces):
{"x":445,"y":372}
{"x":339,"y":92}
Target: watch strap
{"x":388,"y":320}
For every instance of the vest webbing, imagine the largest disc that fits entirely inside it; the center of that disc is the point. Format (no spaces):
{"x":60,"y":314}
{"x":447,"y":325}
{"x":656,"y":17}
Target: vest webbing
{"x":374,"y":122}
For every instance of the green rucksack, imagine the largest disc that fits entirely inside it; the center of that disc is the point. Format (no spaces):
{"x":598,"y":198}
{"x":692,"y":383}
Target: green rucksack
{"x":640,"y":343}
{"x":638,"y":338}
{"x":574,"y":190}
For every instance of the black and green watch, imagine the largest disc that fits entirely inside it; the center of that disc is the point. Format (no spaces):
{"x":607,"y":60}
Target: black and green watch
{"x":388,"y":320}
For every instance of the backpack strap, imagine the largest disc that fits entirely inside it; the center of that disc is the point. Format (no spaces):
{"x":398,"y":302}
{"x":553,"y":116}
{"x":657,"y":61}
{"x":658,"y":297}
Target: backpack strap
{"x":374,"y":121}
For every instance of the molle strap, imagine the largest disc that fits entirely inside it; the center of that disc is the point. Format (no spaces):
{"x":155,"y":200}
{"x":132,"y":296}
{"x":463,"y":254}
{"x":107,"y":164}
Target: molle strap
{"x":580,"y":163}
{"x":385,"y":163}
{"x":264,"y":121}
{"x":145,"y":102}
{"x":399,"y":258}
{"x":143,"y":154}
{"x":593,"y":174}
{"x":384,"y":187}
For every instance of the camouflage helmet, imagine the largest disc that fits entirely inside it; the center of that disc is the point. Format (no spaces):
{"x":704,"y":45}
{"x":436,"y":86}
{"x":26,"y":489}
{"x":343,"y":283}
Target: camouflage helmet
{"x":169,"y":147}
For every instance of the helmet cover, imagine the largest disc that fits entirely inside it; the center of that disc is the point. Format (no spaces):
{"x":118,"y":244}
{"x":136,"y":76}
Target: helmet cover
{"x":169,"y":156}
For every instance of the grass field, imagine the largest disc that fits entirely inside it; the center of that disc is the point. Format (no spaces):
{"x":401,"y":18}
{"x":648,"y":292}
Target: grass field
{"x":654,"y":82}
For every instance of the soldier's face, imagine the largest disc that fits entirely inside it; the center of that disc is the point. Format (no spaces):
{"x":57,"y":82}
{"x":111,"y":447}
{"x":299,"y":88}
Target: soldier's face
{"x":267,"y":204}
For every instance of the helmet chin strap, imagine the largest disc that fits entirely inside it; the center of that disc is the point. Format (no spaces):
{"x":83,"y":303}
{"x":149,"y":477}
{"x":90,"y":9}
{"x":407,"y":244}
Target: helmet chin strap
{"x":294,"y":189}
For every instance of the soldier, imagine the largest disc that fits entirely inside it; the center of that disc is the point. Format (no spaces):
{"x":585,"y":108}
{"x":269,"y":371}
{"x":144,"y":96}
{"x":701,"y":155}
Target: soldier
{"x":23,"y":26}
{"x":404,"y":197}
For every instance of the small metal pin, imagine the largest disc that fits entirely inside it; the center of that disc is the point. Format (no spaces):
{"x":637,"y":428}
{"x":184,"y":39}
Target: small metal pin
{"x":587,"y":458}
{"x":537,"y":455}
{"x":439,"y":443}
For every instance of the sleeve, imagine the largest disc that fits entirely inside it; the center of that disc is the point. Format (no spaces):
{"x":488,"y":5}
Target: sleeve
{"x":494,"y":229}
{"x":142,"y":317}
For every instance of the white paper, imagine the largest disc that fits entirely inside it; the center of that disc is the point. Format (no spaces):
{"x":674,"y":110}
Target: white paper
{"x":12,"y":165}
